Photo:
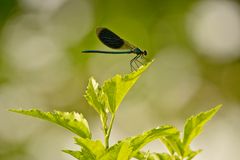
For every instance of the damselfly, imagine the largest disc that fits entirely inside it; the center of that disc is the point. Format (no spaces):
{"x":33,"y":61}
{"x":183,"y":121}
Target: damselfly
{"x":113,"y":41}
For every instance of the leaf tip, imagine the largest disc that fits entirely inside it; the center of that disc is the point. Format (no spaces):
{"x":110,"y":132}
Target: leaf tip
{"x":15,"y":110}
{"x":218,"y":107}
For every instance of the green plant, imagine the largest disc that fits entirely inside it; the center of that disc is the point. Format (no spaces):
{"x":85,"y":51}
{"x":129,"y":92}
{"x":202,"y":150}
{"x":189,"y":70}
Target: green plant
{"x":106,"y":100}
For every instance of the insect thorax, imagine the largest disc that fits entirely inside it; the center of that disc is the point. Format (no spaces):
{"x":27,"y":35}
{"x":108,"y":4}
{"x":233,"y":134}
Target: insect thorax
{"x":137,"y":51}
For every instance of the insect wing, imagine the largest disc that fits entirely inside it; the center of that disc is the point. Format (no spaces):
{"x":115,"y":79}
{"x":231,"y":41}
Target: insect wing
{"x":112,"y":40}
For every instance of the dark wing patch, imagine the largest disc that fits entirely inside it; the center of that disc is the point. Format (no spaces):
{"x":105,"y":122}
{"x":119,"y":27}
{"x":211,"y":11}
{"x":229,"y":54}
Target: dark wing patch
{"x":109,"y":38}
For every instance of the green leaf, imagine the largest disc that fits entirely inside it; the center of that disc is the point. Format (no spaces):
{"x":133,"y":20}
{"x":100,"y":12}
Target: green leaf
{"x":124,"y":152}
{"x":73,"y":121}
{"x":173,"y":143}
{"x":95,"y":96}
{"x":83,"y":154}
{"x":192,"y":154}
{"x":194,"y":125}
{"x":94,"y":148}
{"x":140,"y":155}
{"x":153,"y":156}
{"x":161,"y":156}
{"x":117,"y":87}
{"x":78,"y":154}
{"x":175,"y":147}
{"x":98,"y":100}
{"x":120,"y":151}
{"x":141,"y":140}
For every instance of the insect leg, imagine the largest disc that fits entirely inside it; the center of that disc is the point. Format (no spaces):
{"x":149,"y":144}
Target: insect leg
{"x":132,"y":67}
{"x":135,"y":61}
{"x":138,"y":60}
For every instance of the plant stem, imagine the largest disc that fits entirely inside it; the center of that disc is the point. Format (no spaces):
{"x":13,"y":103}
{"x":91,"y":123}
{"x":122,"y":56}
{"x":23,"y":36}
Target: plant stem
{"x":109,"y":131}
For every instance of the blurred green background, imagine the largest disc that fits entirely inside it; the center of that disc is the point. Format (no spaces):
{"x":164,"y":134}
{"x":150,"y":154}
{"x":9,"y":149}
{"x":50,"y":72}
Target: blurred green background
{"x":195,"y":44}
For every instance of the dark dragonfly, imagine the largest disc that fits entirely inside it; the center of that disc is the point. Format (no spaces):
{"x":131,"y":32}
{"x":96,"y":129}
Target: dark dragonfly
{"x":113,"y":41}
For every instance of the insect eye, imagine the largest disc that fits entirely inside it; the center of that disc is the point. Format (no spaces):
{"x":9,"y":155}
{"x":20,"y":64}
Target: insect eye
{"x":145,"y":53}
